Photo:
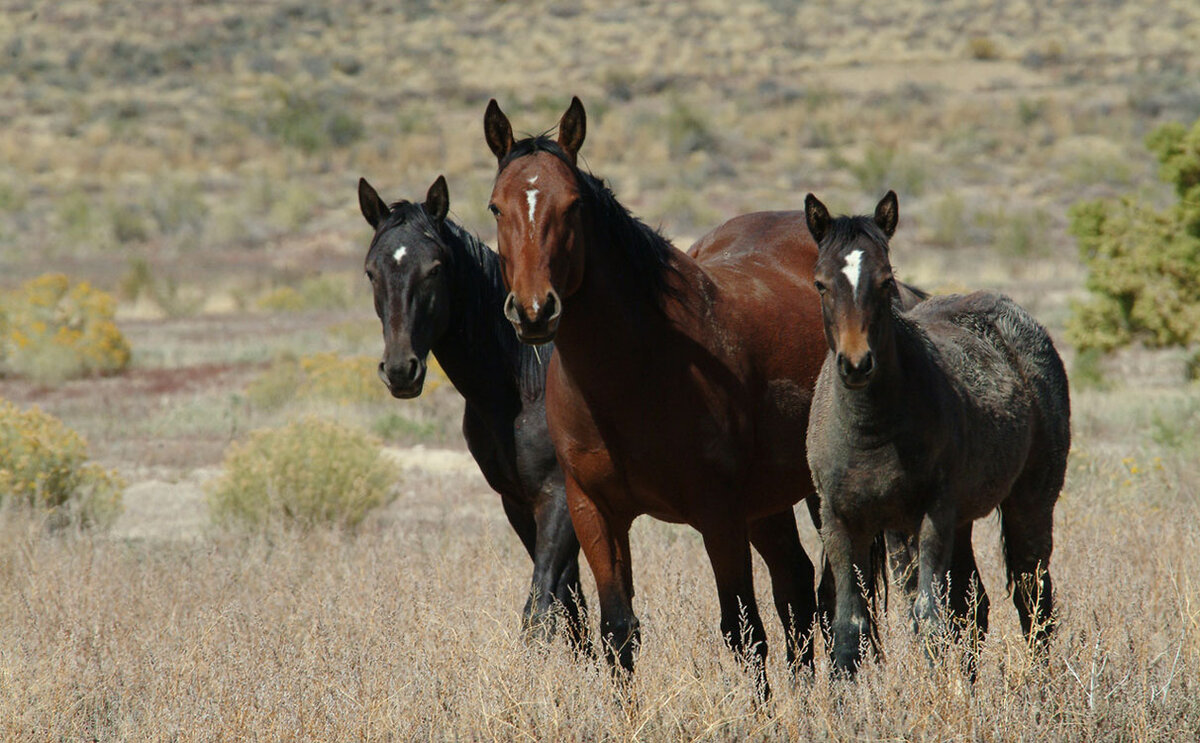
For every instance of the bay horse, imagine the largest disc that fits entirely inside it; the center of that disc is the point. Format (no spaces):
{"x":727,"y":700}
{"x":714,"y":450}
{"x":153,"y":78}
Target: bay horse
{"x":437,"y":288}
{"x":680,"y":384}
{"x":922,"y":422}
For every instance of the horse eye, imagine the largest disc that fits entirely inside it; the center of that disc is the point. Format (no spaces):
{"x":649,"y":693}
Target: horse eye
{"x":889,"y":284}
{"x":494,"y":210}
{"x":437,"y":268}
{"x":371,"y":277}
{"x":819,"y":286}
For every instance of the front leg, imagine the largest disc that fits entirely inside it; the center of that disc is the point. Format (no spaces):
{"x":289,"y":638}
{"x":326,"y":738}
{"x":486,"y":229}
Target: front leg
{"x":556,"y":569}
{"x":728,"y":547}
{"x":849,"y":555}
{"x":605,"y":544}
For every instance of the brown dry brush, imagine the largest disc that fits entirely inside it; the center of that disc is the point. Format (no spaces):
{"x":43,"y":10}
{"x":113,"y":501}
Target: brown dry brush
{"x":409,"y":631}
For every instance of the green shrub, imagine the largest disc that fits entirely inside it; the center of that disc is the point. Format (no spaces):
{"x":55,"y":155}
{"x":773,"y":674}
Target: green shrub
{"x":43,"y":465}
{"x":1143,"y":263}
{"x":311,"y":125}
{"x":310,"y":473}
{"x":51,"y":330}
{"x":316,"y":293}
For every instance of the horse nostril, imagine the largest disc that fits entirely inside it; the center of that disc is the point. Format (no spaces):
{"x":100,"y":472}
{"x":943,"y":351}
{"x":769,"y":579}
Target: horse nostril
{"x":510,"y":309}
{"x":412,"y":369}
{"x":553,"y":306}
{"x":867,"y":365}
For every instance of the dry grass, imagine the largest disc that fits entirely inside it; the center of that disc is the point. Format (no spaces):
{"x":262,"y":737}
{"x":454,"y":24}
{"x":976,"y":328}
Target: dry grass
{"x":409,"y":631}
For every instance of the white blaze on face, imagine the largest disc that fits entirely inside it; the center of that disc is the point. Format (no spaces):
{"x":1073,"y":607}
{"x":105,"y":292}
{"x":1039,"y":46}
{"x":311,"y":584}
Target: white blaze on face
{"x":853,"y":270}
{"x":399,"y":254}
{"x":531,"y":197}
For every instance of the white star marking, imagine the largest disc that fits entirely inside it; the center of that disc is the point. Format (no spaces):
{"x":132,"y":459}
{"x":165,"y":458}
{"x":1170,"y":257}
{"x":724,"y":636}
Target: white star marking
{"x":853,"y":270}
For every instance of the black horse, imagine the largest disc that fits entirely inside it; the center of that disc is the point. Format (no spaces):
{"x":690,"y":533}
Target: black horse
{"x":923,"y":421}
{"x":439,"y":289}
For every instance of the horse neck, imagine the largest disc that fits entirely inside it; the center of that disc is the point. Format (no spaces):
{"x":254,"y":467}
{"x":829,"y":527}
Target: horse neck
{"x":877,"y":411}
{"x":479,"y":350}
{"x":610,"y":317}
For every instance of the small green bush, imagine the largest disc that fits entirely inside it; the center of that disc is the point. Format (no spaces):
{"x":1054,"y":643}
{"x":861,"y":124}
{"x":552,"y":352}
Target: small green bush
{"x":43,"y":465}
{"x":312,"y":294}
{"x":310,"y":473}
{"x":1143,"y":263}
{"x":51,"y":330}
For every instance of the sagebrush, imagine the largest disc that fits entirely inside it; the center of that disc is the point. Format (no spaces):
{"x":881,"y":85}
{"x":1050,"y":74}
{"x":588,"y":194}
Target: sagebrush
{"x":52,"y":329}
{"x":309,"y":473}
{"x":44,"y":466}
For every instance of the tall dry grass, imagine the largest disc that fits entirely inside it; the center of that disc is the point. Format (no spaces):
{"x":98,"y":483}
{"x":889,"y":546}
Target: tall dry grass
{"x":409,"y":632}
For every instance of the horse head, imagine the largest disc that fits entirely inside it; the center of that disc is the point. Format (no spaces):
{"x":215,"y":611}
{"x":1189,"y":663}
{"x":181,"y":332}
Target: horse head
{"x":854,"y":277}
{"x":539,"y":223}
{"x":407,"y":267}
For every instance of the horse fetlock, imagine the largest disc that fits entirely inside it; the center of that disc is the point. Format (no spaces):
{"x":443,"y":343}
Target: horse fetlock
{"x":622,"y":639}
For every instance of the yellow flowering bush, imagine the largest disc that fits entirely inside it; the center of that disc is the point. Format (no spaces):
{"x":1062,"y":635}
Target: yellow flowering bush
{"x":51,"y":329}
{"x":308,"y":473}
{"x":43,"y":465}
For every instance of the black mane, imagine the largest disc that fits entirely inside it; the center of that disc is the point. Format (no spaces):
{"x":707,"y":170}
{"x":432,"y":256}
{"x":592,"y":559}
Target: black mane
{"x":645,"y":250}
{"x":479,"y":292}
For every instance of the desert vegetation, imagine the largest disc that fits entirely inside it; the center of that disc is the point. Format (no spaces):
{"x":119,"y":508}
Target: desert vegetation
{"x":179,"y":184}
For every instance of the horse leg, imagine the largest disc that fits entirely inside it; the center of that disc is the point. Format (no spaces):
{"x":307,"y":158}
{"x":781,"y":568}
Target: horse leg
{"x":849,"y":557}
{"x":524,"y":524}
{"x":902,"y":564}
{"x":776,"y":539}
{"x":936,"y":548}
{"x":605,"y":545}
{"x":826,"y":590}
{"x":1028,"y":542}
{"x":968,"y":599}
{"x":728,"y":550}
{"x":556,"y":569}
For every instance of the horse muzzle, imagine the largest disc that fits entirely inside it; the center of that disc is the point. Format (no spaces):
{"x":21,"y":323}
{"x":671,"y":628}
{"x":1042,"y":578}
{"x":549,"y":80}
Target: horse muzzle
{"x":538,"y":323}
{"x":405,"y":379}
{"x":856,"y":373}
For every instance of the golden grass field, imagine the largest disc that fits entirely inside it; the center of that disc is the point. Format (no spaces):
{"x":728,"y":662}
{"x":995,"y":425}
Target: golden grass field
{"x":200,"y":161}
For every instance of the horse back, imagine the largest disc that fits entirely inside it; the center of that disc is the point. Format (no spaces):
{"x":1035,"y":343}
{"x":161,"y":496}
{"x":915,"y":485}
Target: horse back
{"x":1006,"y":363}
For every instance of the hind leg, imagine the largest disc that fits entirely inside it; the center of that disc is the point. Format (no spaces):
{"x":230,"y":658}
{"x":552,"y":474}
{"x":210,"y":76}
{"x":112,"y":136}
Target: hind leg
{"x":776,"y":539}
{"x":827,"y":587}
{"x":1028,"y":542}
{"x":902,"y":564}
{"x":968,"y":599}
{"x":935,"y":553}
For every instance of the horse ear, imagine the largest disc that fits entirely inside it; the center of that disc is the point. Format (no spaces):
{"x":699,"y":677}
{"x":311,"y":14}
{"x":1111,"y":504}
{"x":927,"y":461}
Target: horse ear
{"x":887,"y":214}
{"x":497,"y":130}
{"x":373,"y":207}
{"x":437,"y":201}
{"x":572,"y":128}
{"x":817,"y":217}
